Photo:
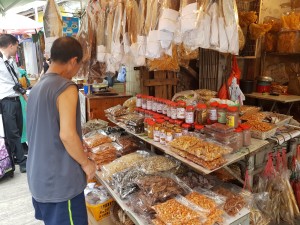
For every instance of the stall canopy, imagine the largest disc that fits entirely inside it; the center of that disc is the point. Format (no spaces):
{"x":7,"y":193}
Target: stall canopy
{"x":11,"y":24}
{"x":8,"y":4}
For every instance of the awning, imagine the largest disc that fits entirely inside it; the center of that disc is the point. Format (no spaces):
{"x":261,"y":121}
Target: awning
{"x":8,"y":4}
{"x":11,"y":24}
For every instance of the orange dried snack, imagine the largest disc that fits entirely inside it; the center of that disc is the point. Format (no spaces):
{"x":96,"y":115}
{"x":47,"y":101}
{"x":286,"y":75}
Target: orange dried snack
{"x":173,"y":212}
{"x":201,"y":200}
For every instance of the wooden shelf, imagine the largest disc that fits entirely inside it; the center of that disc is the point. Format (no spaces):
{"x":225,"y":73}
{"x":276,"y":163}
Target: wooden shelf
{"x":231,"y":158}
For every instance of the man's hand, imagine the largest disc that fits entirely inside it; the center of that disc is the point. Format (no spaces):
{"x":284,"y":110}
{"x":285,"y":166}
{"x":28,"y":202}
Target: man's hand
{"x":90,"y":169}
{"x":25,"y":97}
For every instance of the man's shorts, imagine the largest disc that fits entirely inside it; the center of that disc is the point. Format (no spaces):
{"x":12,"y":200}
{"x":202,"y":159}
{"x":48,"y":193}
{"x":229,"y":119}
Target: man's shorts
{"x":71,"y":212}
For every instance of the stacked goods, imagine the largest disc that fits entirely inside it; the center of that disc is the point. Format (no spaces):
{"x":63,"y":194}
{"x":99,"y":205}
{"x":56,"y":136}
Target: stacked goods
{"x":92,"y":125}
{"x":247,"y":109}
{"x":128,"y":144}
{"x":100,"y":148}
{"x":206,"y":154}
{"x":123,"y":163}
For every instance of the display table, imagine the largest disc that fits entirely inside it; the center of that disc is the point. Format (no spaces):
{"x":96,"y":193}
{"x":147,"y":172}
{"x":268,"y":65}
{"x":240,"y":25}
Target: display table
{"x":242,"y":218}
{"x":92,"y":106}
{"x":286,"y":99}
{"x":247,"y":153}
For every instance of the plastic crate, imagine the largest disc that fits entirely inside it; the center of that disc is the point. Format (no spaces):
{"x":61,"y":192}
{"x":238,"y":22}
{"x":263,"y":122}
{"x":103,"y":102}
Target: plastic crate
{"x":101,"y":210}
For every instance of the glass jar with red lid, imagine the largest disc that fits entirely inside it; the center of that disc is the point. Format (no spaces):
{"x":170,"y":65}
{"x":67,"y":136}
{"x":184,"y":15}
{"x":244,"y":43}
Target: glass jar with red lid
{"x":154,"y":104}
{"x":186,"y":128}
{"x":150,"y":131}
{"x":222,"y":113}
{"x":212,"y":112}
{"x":201,"y":114}
{"x":144,"y":101}
{"x":246,"y":134}
{"x":189,"y":114}
{"x":165,"y":107}
{"x":174,"y":110}
{"x":169,"y":103}
{"x":149,"y":102}
{"x":232,"y":117}
{"x":159,"y":105}
{"x":240,"y":138}
{"x":178,"y":123}
{"x":138,"y":100}
{"x":181,"y":110}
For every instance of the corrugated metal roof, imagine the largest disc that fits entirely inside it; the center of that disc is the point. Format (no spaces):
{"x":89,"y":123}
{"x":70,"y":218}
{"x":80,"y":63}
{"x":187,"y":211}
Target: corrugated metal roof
{"x":8,"y":4}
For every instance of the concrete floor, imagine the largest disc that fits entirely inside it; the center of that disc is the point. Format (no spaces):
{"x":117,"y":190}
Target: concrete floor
{"x":15,"y":201}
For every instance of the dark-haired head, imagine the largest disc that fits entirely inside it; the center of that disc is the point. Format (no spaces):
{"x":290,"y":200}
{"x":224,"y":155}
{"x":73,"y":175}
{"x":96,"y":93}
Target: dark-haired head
{"x":7,"y":39}
{"x":66,"y":48}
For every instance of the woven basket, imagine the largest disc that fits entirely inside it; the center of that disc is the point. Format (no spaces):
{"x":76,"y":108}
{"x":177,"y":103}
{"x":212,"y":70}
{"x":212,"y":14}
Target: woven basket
{"x":115,"y":210}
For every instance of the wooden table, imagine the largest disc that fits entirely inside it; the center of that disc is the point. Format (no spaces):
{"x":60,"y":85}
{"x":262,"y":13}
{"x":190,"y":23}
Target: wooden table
{"x":92,"y":106}
{"x":287,"y":99}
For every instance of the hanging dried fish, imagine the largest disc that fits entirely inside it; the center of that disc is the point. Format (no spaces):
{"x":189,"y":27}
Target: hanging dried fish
{"x":101,"y":23}
{"x":52,"y":20}
{"x":142,"y":16}
{"x":132,"y":13}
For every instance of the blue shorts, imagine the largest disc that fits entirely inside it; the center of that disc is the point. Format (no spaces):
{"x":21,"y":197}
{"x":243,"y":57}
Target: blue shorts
{"x":71,"y":212}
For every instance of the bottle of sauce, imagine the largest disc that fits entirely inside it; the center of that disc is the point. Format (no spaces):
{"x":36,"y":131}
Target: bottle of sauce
{"x":212,"y":112}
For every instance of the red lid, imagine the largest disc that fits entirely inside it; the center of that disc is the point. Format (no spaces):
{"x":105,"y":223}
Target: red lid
{"x":157,"y":116}
{"x":150,"y":97}
{"x":186,"y":125}
{"x":238,"y":130}
{"x":245,"y":126}
{"x":137,"y":109}
{"x":181,"y":103}
{"x":142,"y":110}
{"x":139,"y":95}
{"x":232,"y":109}
{"x":214,"y":104}
{"x":147,"y":119}
{"x":160,"y":120}
{"x":151,"y":122}
{"x":201,"y":106}
{"x":171,"y":121}
{"x":223,"y":106}
{"x":190,"y":107}
{"x":144,"y":96}
{"x":199,"y":126}
{"x":166,"y":118}
{"x":147,"y":111}
{"x":178,"y":122}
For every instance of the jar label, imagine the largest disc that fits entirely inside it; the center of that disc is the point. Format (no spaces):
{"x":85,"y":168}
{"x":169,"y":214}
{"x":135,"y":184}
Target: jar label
{"x":221,"y":117}
{"x":180,"y":113}
{"x":159,"y":107}
{"x":154,"y":105}
{"x":173,"y":113}
{"x":156,"y":136}
{"x":177,"y":135}
{"x":165,"y":110}
{"x":230,"y":121}
{"x":144,"y":105}
{"x":189,"y":117}
{"x":149,"y":105}
{"x":169,"y":138}
{"x":163,"y":138}
{"x":169,"y":112}
{"x":213,"y":115}
{"x":138,"y":102}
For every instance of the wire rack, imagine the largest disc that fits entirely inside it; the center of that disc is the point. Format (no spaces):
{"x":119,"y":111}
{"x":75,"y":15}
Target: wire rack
{"x":247,"y":6}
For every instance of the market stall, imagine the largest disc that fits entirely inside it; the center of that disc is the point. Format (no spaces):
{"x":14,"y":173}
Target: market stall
{"x":176,"y":145}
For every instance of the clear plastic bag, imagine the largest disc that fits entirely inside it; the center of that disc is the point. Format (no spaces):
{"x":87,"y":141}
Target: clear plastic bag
{"x":92,"y":125}
{"x":123,"y":163}
{"x":92,"y":140}
{"x":259,"y":207}
{"x":161,"y":187}
{"x":116,"y":111}
{"x":194,"y":180}
{"x":158,"y":163}
{"x":129,"y":144}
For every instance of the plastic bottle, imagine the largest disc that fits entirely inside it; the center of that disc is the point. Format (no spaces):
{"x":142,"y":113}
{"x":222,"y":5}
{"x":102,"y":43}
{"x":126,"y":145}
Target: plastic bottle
{"x":222,"y":113}
{"x":246,"y":134}
{"x":189,"y":114}
{"x":139,"y":100}
{"x":201,"y":114}
{"x":212,"y":112}
{"x":232,"y":117}
{"x":181,"y":110}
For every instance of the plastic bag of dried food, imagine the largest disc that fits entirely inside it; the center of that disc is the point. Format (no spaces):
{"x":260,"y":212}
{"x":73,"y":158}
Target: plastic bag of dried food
{"x":129,"y":144}
{"x":171,"y":211}
{"x":124,"y":182}
{"x":161,"y":187}
{"x":92,"y":125}
{"x":188,"y":15}
{"x":234,"y":200}
{"x":117,"y":110}
{"x":95,"y":195}
{"x":258,"y":30}
{"x":193,"y":180}
{"x":123,"y":163}
{"x":190,"y":97}
{"x":247,"y":17}
{"x":130,"y":103}
{"x":258,"y":207}
{"x":158,"y":163}
{"x":96,"y":139}
{"x":291,"y":21}
{"x":166,"y":62}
